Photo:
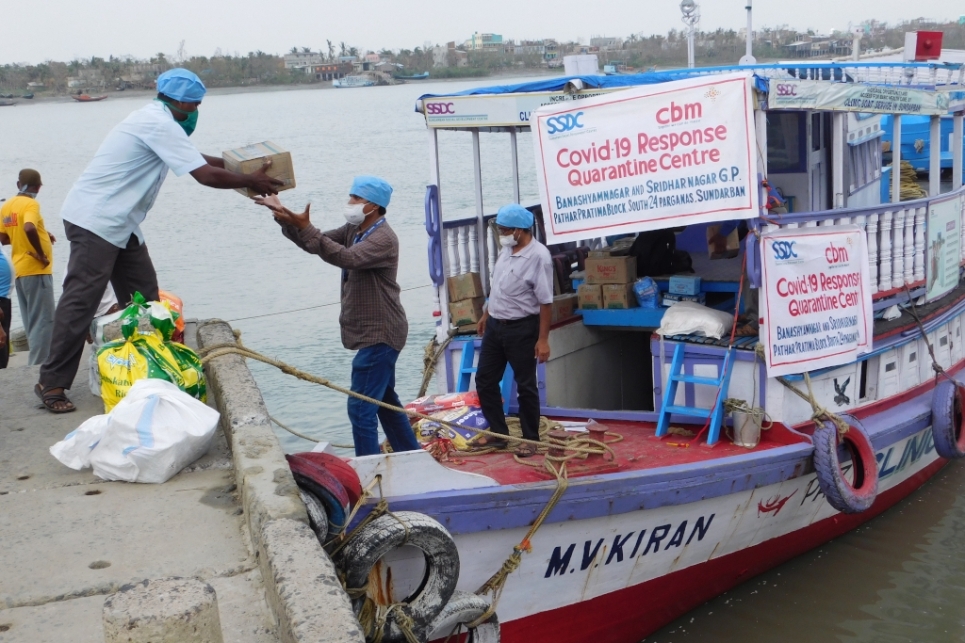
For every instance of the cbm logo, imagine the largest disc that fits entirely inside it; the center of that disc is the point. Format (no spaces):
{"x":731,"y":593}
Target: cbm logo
{"x":563,"y":123}
{"x":440,"y":108}
{"x":784,"y":250}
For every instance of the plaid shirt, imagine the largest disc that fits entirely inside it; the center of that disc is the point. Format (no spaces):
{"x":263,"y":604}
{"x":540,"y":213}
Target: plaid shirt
{"x":372,"y":312}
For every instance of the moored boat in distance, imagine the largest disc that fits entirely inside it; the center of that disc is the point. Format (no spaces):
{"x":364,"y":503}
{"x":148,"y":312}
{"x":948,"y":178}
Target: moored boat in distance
{"x":423,"y":76}
{"x":859,"y":301}
{"x":84,"y":98}
{"x":353,"y":81}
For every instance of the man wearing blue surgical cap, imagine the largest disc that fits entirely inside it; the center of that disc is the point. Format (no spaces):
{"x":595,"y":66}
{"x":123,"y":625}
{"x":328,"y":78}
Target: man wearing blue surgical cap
{"x":372,"y":319}
{"x":515,"y":326}
{"x":104,"y":209}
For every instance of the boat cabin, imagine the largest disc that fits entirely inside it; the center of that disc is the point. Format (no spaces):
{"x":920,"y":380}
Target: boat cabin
{"x":817,"y":132}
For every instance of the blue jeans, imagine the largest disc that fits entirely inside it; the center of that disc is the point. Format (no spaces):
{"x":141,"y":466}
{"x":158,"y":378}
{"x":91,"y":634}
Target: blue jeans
{"x":373,"y":374}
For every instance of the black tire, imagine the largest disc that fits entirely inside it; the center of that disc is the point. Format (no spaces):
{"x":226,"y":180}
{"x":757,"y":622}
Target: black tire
{"x":465,"y":608}
{"x":317,"y":518}
{"x":946,"y":420}
{"x":841,"y":494}
{"x":399,"y":529}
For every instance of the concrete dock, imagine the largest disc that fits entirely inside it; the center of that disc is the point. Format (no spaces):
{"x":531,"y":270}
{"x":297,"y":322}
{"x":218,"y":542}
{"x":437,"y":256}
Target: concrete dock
{"x":232,"y":519}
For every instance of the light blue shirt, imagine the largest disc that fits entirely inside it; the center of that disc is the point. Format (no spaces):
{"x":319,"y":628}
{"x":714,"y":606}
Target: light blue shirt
{"x":6,"y":276}
{"x":119,"y":186}
{"x":521,"y":282}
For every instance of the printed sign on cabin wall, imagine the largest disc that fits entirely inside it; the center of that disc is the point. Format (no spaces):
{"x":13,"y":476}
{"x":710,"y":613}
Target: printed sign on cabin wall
{"x":815,"y":298}
{"x":660,"y":156}
{"x":943,"y":248}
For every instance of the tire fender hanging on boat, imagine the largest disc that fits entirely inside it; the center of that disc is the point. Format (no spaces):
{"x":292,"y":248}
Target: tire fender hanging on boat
{"x":464,"y":608}
{"x":391,"y":531}
{"x":846,"y":497}
{"x":947,"y":419}
{"x":326,"y":490}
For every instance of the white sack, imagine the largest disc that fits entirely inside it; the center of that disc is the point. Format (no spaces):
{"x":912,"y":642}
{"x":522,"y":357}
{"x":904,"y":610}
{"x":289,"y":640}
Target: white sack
{"x":153,"y":433}
{"x":75,"y":449}
{"x":687,"y":317}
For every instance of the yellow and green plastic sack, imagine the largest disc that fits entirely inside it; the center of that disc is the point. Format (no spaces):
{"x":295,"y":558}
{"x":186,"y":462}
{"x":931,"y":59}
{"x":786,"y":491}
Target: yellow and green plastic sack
{"x":135,"y":357}
{"x":148,"y":355}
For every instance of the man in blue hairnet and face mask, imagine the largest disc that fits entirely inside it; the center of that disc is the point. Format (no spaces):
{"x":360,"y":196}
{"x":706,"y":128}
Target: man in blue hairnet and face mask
{"x":516,"y":325}
{"x":372,"y":319}
{"x":104,"y":209}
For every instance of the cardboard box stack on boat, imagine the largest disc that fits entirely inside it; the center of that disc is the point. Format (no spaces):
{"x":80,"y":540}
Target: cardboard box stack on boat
{"x":609,"y":282}
{"x":466,"y":298}
{"x":250,"y":158}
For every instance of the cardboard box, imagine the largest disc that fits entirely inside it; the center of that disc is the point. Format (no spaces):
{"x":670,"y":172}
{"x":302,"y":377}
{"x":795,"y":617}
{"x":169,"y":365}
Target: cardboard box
{"x":563,"y":307}
{"x":590,"y":296}
{"x":465,"y":286}
{"x":467,"y":311}
{"x":684,"y":285}
{"x":669,"y":299}
{"x":733,"y":243}
{"x":611,"y":270}
{"x":250,"y":158}
{"x":619,"y":296}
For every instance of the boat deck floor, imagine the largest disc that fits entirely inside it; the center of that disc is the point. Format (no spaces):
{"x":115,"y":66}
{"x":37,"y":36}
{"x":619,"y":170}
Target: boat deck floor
{"x":638,"y":450}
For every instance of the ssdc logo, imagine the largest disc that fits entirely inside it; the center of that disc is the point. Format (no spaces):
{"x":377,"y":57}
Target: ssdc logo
{"x":563,"y":123}
{"x":440,"y":108}
{"x":786,"y":90}
{"x":784,"y":250}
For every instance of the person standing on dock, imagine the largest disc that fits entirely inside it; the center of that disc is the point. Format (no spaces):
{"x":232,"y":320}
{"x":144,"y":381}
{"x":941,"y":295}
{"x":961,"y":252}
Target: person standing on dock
{"x":104,"y":209}
{"x":372,"y":319}
{"x":22,"y":227}
{"x":516,"y":325}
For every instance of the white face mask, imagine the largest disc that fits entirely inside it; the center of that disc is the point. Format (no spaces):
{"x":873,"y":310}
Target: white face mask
{"x":507,"y":241}
{"x":354,"y":213}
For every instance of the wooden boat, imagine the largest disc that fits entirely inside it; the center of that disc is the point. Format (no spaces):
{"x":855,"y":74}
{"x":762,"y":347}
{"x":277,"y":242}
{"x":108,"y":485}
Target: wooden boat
{"x":865,"y":406}
{"x":353,"y":81}
{"x":7,"y":103}
{"x":84,"y":98}
{"x":28,"y":96}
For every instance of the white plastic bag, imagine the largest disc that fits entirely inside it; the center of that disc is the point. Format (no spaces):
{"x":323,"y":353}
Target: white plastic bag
{"x":153,"y":433}
{"x":75,"y":449}
{"x":687,"y":317}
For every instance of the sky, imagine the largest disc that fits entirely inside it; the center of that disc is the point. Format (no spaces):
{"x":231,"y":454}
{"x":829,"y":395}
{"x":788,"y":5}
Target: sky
{"x":67,"y":29}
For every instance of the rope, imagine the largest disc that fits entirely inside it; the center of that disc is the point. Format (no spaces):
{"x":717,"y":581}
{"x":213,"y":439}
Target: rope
{"x":220,"y":350}
{"x":818,"y":412}
{"x":429,"y":361}
{"x":939,"y":371}
{"x":305,"y":437}
{"x":497,"y":581}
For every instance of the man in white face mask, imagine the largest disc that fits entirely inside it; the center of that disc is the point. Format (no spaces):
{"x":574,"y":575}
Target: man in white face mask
{"x":516,"y":325}
{"x":372,"y":319}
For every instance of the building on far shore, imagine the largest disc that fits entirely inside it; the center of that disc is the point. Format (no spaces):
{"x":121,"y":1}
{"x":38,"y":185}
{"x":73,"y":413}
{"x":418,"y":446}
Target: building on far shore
{"x":485,"y":42}
{"x":449,"y":56}
{"x":331,"y":71}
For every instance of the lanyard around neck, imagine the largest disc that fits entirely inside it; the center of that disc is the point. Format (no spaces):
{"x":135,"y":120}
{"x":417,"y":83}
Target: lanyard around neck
{"x":359,"y":238}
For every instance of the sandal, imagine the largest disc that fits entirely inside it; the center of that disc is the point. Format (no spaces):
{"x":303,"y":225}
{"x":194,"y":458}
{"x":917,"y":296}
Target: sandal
{"x":525,"y":450}
{"x":50,"y":400}
{"x":489,"y":441}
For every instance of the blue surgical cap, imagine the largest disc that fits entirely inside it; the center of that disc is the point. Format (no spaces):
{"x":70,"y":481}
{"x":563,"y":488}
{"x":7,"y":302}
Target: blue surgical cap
{"x":372,"y":189}
{"x":182,"y":85}
{"x":514,"y":216}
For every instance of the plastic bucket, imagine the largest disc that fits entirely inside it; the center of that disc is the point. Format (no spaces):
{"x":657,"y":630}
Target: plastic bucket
{"x":747,"y":429}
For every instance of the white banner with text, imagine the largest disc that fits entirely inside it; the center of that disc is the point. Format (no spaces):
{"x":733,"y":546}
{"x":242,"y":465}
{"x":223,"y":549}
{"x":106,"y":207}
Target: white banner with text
{"x":815,"y":298}
{"x":653,"y":157}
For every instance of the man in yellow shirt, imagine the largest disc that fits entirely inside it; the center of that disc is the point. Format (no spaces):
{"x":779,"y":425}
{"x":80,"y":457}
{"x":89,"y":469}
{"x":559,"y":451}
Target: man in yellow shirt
{"x":22,"y":227}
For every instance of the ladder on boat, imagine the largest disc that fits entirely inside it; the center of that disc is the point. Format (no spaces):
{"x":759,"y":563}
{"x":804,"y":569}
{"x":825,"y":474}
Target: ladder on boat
{"x":466,"y":369}
{"x":715,"y":414}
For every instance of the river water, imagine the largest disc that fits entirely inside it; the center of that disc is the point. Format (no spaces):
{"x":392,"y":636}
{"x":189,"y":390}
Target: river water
{"x":900,"y":578}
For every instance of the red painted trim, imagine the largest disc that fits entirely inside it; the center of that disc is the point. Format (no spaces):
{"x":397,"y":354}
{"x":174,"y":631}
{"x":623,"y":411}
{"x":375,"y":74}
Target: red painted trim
{"x":627,"y":616}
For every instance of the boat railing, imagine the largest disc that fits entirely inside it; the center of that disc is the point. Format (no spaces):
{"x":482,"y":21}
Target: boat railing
{"x":896,"y":235}
{"x":462,"y":247}
{"x":876,"y":73}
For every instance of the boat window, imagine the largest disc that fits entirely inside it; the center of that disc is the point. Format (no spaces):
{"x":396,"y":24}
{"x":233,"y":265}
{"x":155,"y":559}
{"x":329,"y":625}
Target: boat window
{"x":890,"y":366}
{"x":912,"y":357}
{"x":865,"y":160}
{"x":863,"y":381}
{"x":816,"y":132}
{"x":943,"y":341}
{"x":786,"y":145}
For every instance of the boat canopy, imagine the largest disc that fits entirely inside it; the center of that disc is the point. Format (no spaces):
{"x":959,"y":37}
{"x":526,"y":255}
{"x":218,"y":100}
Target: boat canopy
{"x":929,"y":88}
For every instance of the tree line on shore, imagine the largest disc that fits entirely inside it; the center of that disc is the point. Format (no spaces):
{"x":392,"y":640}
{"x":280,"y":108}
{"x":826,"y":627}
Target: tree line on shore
{"x":719,"y":47}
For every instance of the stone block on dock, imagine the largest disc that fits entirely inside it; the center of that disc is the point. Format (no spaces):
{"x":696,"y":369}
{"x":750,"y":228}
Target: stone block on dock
{"x":167,"y":610}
